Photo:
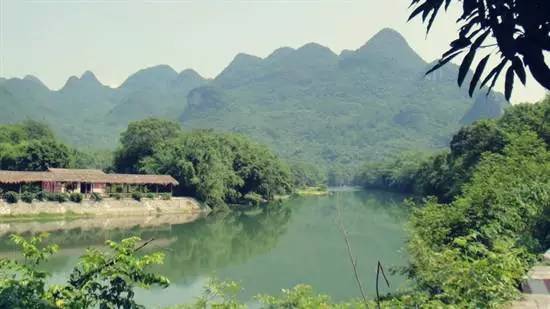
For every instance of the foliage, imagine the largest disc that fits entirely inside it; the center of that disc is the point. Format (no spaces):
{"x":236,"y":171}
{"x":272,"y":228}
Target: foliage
{"x":100,"y":280}
{"x":224,"y":294}
{"x":306,"y":174}
{"x":96,"y":197}
{"x":150,"y":195}
{"x":518,"y":28}
{"x":27,"y":197}
{"x":11,"y":197}
{"x":75,"y":197}
{"x":62,"y":197}
{"x":139,"y":140}
{"x":219,"y":168}
{"x":41,"y":196}
{"x":165,"y":196}
{"x":445,"y":174}
{"x":32,"y":146}
{"x":137,"y":196}
{"x":397,"y":174}
{"x":475,"y":251}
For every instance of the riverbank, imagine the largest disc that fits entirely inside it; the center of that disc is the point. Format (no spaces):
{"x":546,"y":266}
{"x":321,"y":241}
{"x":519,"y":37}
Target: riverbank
{"x":312,"y":191}
{"x":106,"y":208}
{"x":95,"y":223}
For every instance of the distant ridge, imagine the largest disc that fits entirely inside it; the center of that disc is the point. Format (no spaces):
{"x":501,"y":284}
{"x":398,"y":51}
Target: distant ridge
{"x":308,"y":103}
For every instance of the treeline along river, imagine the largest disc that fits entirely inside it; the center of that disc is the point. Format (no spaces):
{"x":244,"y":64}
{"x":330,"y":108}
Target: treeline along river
{"x":299,"y":241}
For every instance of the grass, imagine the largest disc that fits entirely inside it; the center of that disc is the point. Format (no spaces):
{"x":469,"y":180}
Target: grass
{"x":312,"y":191}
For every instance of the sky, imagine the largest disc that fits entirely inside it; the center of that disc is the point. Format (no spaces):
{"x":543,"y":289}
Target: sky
{"x":54,"y":39}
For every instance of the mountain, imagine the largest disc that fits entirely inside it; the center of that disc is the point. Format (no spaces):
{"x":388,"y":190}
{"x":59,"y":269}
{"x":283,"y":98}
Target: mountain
{"x":158,"y":91}
{"x":87,"y":113}
{"x":309,"y":103}
{"x":313,"y":105}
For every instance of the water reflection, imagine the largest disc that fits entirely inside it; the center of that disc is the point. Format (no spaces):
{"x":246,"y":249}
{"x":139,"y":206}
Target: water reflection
{"x":266,"y":250}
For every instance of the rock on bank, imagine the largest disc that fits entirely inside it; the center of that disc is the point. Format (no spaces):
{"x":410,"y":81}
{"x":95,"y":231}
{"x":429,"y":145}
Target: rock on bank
{"x":106,"y":207}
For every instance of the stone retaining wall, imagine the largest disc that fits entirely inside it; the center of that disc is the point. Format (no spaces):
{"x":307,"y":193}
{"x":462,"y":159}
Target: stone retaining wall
{"x":107,"y":207}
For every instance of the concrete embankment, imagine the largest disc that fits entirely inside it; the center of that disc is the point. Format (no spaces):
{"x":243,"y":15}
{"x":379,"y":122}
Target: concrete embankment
{"x":106,"y":208}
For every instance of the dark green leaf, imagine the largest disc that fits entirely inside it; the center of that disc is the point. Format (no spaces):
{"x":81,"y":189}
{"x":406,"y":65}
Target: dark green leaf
{"x":465,"y":66}
{"x":509,"y":82}
{"x":518,"y":68}
{"x":467,"y":61}
{"x":418,"y":10}
{"x":477,"y":74}
{"x":494,"y":74}
{"x":442,"y":62}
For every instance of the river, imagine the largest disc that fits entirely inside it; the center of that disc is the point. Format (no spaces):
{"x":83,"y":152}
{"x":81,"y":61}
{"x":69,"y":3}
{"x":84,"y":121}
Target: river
{"x":298,"y":241}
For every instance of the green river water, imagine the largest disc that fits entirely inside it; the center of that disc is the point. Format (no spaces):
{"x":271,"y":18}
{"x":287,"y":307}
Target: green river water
{"x":265,"y":251}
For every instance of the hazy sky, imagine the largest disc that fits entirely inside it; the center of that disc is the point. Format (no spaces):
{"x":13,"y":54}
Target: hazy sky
{"x":54,"y":39}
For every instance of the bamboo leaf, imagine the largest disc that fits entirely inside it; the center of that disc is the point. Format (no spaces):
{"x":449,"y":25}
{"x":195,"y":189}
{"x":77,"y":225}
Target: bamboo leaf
{"x":467,"y":61}
{"x":494,"y":73}
{"x":465,"y":66}
{"x":442,"y":62}
{"x":418,"y":10}
{"x":509,"y":83}
{"x":477,"y":74}
{"x":518,"y":68}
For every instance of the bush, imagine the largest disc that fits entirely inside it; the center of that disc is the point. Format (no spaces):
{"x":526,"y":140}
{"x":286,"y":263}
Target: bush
{"x":165,"y":196}
{"x":76,"y":197}
{"x":116,"y":196}
{"x":41,"y":196}
{"x":11,"y":197}
{"x":62,"y":197}
{"x":136,"y":196}
{"x":150,"y":195}
{"x":52,"y":196}
{"x":27,"y":197}
{"x":96,"y":197}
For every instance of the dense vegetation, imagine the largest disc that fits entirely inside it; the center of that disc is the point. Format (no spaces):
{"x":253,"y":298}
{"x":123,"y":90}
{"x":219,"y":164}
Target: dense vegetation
{"x":474,"y":250}
{"x":335,"y":111}
{"x":32,"y":146}
{"x":444,"y":174}
{"x":307,"y":104}
{"x":217,"y":168}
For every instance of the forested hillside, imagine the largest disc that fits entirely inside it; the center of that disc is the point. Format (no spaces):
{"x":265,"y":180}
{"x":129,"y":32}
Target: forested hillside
{"x":308,"y":104}
{"x":313,"y":105}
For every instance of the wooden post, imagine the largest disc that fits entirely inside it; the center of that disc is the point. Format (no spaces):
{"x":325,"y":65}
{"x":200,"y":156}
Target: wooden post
{"x":19,"y":188}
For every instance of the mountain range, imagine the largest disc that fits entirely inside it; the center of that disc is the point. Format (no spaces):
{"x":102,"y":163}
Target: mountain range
{"x":309,"y":104}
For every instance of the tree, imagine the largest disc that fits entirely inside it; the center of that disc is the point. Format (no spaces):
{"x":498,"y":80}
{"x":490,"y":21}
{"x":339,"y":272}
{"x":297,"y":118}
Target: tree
{"x":520,"y":29}
{"x":100,"y":280}
{"x":139,"y":139}
{"x":39,"y":155}
{"x":219,"y":168}
{"x":36,"y":130}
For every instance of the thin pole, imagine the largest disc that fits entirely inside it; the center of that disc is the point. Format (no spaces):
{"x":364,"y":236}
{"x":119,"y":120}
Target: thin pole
{"x":378,"y":269}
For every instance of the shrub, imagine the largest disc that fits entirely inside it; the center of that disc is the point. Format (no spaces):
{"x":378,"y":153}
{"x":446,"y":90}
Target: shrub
{"x":150,"y":195}
{"x":11,"y":197}
{"x":27,"y":197}
{"x":52,"y":197}
{"x":96,"y":197}
{"x":41,"y":196}
{"x":62,"y":197}
{"x":136,"y":196}
{"x":165,"y":196}
{"x":116,"y":196}
{"x":75,"y":197}
{"x":253,"y":198}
